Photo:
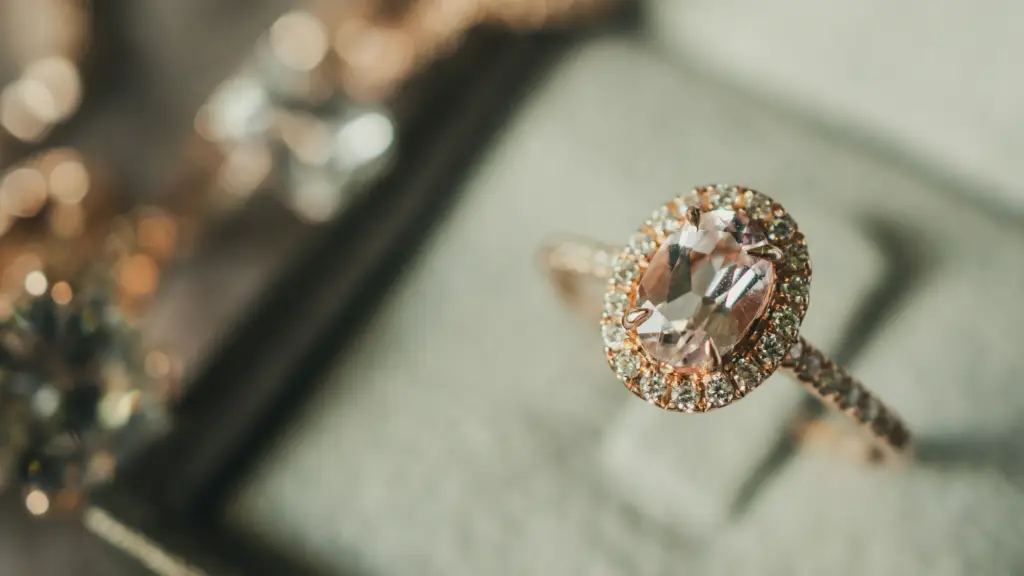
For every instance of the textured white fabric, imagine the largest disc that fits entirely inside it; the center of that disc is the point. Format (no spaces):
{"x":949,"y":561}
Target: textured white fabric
{"x":463,"y":435}
{"x":939,"y":80}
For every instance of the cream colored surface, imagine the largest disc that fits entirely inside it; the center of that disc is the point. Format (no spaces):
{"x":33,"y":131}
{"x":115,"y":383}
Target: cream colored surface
{"x":464,"y":434}
{"x":940,"y":81}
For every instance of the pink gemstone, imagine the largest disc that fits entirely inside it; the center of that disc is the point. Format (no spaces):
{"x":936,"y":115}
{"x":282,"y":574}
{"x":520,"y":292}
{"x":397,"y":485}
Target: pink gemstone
{"x":704,"y":290}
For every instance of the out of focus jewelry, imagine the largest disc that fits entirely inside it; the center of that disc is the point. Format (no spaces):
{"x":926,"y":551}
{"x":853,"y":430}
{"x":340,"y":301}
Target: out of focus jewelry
{"x":80,"y":388}
{"x":309,"y":105}
{"x":705,"y":302}
{"x":283,"y":115}
{"x":43,"y":45}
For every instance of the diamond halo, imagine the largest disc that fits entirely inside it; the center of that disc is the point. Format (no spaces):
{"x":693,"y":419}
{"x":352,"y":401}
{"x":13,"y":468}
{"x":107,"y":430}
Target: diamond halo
{"x":722,"y":297}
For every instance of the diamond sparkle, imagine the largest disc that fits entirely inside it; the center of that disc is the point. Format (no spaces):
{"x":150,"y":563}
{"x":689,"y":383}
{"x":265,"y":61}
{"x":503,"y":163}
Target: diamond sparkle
{"x":613,"y":335}
{"x":704,"y":290}
{"x":653,"y":386}
{"x":626,"y":365}
{"x":685,"y":396}
{"x":718,"y":390}
{"x":75,"y":394}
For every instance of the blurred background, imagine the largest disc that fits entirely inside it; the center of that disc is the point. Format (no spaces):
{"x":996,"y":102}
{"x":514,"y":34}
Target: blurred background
{"x":270,"y":300}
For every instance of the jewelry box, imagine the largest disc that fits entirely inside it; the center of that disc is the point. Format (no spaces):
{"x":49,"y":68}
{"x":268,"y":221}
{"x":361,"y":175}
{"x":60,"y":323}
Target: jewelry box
{"x":412,"y":397}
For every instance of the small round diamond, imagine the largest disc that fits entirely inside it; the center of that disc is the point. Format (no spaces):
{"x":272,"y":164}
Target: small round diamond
{"x":614,"y":335}
{"x":625,"y":271}
{"x":785,"y":321}
{"x":653,"y":386}
{"x":615,"y":303}
{"x":832,"y":383}
{"x":795,"y":352}
{"x":683,"y":205}
{"x":795,"y":290}
{"x":718,"y":390}
{"x":796,"y":256}
{"x":684,"y":396}
{"x":850,"y":397}
{"x":660,"y":214}
{"x":664,"y":221}
{"x":781,"y":228}
{"x":771,"y":348}
{"x":642,"y":243}
{"x":881,"y":423}
{"x":759,"y":207}
{"x":810,"y":365}
{"x":669,"y":226}
{"x":627,"y":365}
{"x":722,"y":196}
{"x":747,"y":374}
{"x":868,"y":408}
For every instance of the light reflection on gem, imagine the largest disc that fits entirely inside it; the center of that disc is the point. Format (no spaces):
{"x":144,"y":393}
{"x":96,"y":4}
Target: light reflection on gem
{"x":35,"y":283}
{"x":299,"y":40}
{"x":61,"y":293}
{"x":37,"y":503}
{"x":704,"y":290}
{"x":74,"y":393}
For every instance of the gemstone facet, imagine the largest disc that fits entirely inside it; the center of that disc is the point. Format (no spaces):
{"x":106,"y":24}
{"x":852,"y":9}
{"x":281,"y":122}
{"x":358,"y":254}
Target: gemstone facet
{"x":747,"y":374}
{"x":770,"y":348}
{"x":685,"y":396}
{"x":615,"y":303}
{"x":653,"y":386}
{"x":613,"y":335}
{"x":642,"y":243}
{"x":718,"y":390}
{"x":624,"y":271}
{"x":704,"y":290}
{"x":626,"y":365}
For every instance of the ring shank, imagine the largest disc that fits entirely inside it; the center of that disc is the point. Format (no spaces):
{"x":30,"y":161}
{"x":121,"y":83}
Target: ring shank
{"x":837,"y":388}
{"x":571,"y":261}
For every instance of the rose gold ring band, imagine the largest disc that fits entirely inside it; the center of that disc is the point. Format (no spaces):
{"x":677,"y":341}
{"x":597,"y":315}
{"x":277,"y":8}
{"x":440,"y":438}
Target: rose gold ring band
{"x":570,"y":261}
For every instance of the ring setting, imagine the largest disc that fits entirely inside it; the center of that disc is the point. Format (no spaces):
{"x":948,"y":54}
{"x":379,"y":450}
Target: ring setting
{"x":706,"y":300}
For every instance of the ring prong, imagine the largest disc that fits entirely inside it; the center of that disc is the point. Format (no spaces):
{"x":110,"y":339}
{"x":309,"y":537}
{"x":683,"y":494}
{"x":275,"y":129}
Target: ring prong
{"x":635,"y":317}
{"x":693,"y":215}
{"x":767,"y":252}
{"x":713,"y":353}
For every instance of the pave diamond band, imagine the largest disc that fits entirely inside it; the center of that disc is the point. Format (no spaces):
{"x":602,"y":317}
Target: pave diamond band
{"x":839,"y":389}
{"x":706,"y":301}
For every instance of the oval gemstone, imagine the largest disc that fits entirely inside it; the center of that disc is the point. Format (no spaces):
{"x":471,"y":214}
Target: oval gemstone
{"x":704,"y":290}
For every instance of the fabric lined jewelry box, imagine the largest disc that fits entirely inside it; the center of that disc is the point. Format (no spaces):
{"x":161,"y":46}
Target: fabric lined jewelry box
{"x":497,"y":467}
{"x":166,"y":506}
{"x":443,"y":111}
{"x":385,"y":465}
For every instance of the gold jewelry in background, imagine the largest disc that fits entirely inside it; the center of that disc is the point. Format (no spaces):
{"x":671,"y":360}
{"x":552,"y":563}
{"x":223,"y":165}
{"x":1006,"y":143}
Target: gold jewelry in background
{"x":379,"y":48}
{"x":46,"y":41}
{"x":80,"y":385}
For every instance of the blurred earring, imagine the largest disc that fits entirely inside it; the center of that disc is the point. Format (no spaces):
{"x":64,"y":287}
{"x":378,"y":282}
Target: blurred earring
{"x":308,"y":109}
{"x":282,"y":116}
